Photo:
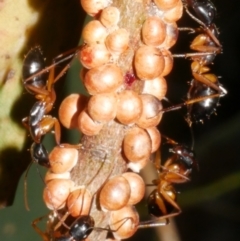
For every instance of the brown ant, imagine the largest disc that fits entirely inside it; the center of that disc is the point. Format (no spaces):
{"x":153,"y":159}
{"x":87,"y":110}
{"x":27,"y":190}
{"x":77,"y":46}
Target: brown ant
{"x":81,"y":227}
{"x":176,"y":169}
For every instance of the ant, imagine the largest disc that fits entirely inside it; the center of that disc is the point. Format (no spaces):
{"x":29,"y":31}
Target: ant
{"x":79,"y":230}
{"x":206,"y":43}
{"x":38,"y":83}
{"x":38,"y":122}
{"x":177,"y":169}
{"x":61,"y":226}
{"x":81,"y":227}
{"x":205,"y":86}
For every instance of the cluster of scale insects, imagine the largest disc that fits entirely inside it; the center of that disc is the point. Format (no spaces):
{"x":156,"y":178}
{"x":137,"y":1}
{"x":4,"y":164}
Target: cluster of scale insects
{"x":202,"y":100}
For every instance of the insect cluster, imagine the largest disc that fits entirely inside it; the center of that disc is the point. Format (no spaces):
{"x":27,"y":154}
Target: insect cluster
{"x":94,"y":185}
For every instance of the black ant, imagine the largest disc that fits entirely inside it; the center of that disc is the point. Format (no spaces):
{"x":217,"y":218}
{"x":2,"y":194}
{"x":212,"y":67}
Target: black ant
{"x":206,"y":43}
{"x":161,"y":202}
{"x":38,"y":122}
{"x":79,"y":230}
{"x":81,"y":227}
{"x":58,"y":229}
{"x":205,"y":86}
{"x":36,"y":82}
{"x":177,"y":169}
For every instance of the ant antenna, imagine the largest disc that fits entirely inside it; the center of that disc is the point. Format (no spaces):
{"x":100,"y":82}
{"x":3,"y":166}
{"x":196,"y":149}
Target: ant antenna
{"x":25,"y":187}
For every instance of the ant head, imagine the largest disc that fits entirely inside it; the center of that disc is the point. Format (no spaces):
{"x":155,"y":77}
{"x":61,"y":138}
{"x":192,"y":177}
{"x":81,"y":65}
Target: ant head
{"x":82,"y":227}
{"x":39,"y":154}
{"x":205,"y":10}
{"x":79,"y":230}
{"x":186,"y":155}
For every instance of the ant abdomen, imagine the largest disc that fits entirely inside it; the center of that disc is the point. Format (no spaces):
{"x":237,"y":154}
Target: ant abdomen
{"x":198,"y":111}
{"x":33,"y":63}
{"x":205,"y":10}
{"x":157,"y":205}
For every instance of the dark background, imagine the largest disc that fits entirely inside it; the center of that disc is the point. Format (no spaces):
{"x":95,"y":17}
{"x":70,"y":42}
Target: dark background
{"x":210,"y":202}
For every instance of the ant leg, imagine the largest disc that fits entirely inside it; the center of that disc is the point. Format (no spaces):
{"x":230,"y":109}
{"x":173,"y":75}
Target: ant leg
{"x":169,"y":199}
{"x":190,"y":102}
{"x":194,"y":55}
{"x":174,"y":176}
{"x":157,"y":161}
{"x":47,"y":123}
{"x":208,"y":31}
{"x":71,"y":52}
{"x":75,"y":146}
{"x":44,"y":236}
{"x":62,"y":72}
{"x":190,"y":30}
{"x":158,"y":221}
{"x":169,"y":140}
{"x":61,"y":221}
{"x":53,"y":79}
{"x":209,"y":79}
{"x":201,"y":43}
{"x":41,"y":92}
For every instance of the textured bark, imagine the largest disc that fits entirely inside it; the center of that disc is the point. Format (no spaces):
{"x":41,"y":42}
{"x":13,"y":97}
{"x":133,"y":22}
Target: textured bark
{"x":101,"y":156}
